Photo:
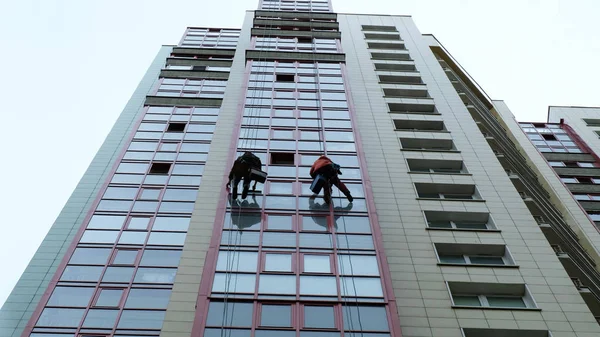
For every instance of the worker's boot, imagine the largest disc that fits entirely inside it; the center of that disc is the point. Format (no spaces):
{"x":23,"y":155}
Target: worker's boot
{"x":349,"y":196}
{"x":245,"y":191}
{"x":234,"y":192}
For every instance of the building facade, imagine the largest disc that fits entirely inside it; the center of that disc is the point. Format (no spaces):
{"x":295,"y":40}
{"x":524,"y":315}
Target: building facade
{"x":453,"y":230}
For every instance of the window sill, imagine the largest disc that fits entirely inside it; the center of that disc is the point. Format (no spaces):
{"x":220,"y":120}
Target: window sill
{"x":441,"y":173}
{"x":415,"y":113}
{"x":463,"y":230}
{"x":419,"y":130}
{"x":438,"y":199}
{"x":477,"y":265}
{"x":495,"y":308}
{"x":430,"y":150}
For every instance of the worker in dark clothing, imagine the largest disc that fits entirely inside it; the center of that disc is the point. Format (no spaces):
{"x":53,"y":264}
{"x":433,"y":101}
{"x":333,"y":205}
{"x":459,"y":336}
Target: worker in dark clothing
{"x":329,"y":171}
{"x":241,"y":169}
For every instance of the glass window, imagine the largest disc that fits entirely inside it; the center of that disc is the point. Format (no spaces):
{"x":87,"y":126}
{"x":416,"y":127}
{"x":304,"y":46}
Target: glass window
{"x":220,"y":332}
{"x":278,"y":262}
{"x":150,"y":194}
{"x":90,"y":256}
{"x":470,"y":225}
{"x":317,"y":264}
{"x":148,"y":298}
{"x":138,"y":223}
{"x":100,"y":318}
{"x":276,"y":315}
{"x":180,"y":194}
{"x":280,"y":188}
{"x":318,"y":285}
{"x":155,"y":275}
{"x":94,"y":236}
{"x":486,"y":260}
{"x":118,"y":274}
{"x":274,"y":333}
{"x":277,"y":284}
{"x":235,"y":283}
{"x":367,"y":318}
{"x":133,"y":238}
{"x":166,"y":239}
{"x":316,"y":240}
{"x":120,"y":193}
{"x":271,"y":239}
{"x":81,"y":273}
{"x":231,"y":314}
{"x":452,"y":259}
{"x":247,"y":239}
{"x":56,"y":317}
{"x":114,"y":205}
{"x":279,"y":222}
{"x":352,"y":224}
{"x":185,"y":181}
{"x":237,"y":261}
{"x":355,"y":242}
{"x":188,"y":169}
{"x":106,"y":222}
{"x":466,"y":300}
{"x":176,"y":207}
{"x":139,"y":319}
{"x":109,"y":298}
{"x":70,"y":297}
{"x":125,"y":256}
{"x":315,"y":223}
{"x":361,"y":286}
{"x":171,"y":224}
{"x":132,"y":168}
{"x":145,"y":206}
{"x":358,"y":265}
{"x":506,"y":302}
{"x":161,"y":258}
{"x":319,"y":317}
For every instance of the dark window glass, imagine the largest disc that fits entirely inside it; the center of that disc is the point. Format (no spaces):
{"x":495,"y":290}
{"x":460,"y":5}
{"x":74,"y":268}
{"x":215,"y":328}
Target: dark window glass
{"x":365,"y":318}
{"x":350,"y":224}
{"x":114,"y":205}
{"x":276,"y":315}
{"x":132,"y":238}
{"x":318,"y":317}
{"x":355,"y":242}
{"x":138,"y":319}
{"x":60,"y":317}
{"x":148,"y":298}
{"x":100,"y":318}
{"x":70,"y":297}
{"x":96,"y":256}
{"x":237,"y":314}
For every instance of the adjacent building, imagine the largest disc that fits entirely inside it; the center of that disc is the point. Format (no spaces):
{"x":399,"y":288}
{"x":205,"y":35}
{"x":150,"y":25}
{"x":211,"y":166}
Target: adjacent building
{"x":458,"y":228}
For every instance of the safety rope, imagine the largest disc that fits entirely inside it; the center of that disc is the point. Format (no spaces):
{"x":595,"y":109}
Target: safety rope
{"x":249,"y":138}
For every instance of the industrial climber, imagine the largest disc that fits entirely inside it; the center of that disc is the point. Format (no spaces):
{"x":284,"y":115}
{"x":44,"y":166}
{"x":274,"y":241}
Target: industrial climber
{"x":325,"y":173}
{"x":248,"y":167}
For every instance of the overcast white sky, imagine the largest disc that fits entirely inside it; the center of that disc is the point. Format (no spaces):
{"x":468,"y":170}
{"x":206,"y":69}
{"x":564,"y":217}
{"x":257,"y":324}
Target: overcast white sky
{"x":69,"y":67}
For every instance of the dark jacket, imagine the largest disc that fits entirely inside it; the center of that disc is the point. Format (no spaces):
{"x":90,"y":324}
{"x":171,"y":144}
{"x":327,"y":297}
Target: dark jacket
{"x":243,"y":164}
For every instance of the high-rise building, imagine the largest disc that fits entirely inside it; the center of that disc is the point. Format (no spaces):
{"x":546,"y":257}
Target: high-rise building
{"x":458,"y":227}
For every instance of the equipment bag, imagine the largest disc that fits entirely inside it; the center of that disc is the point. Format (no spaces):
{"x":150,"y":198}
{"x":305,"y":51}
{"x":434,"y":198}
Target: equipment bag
{"x":258,"y":175}
{"x":317,"y":184}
